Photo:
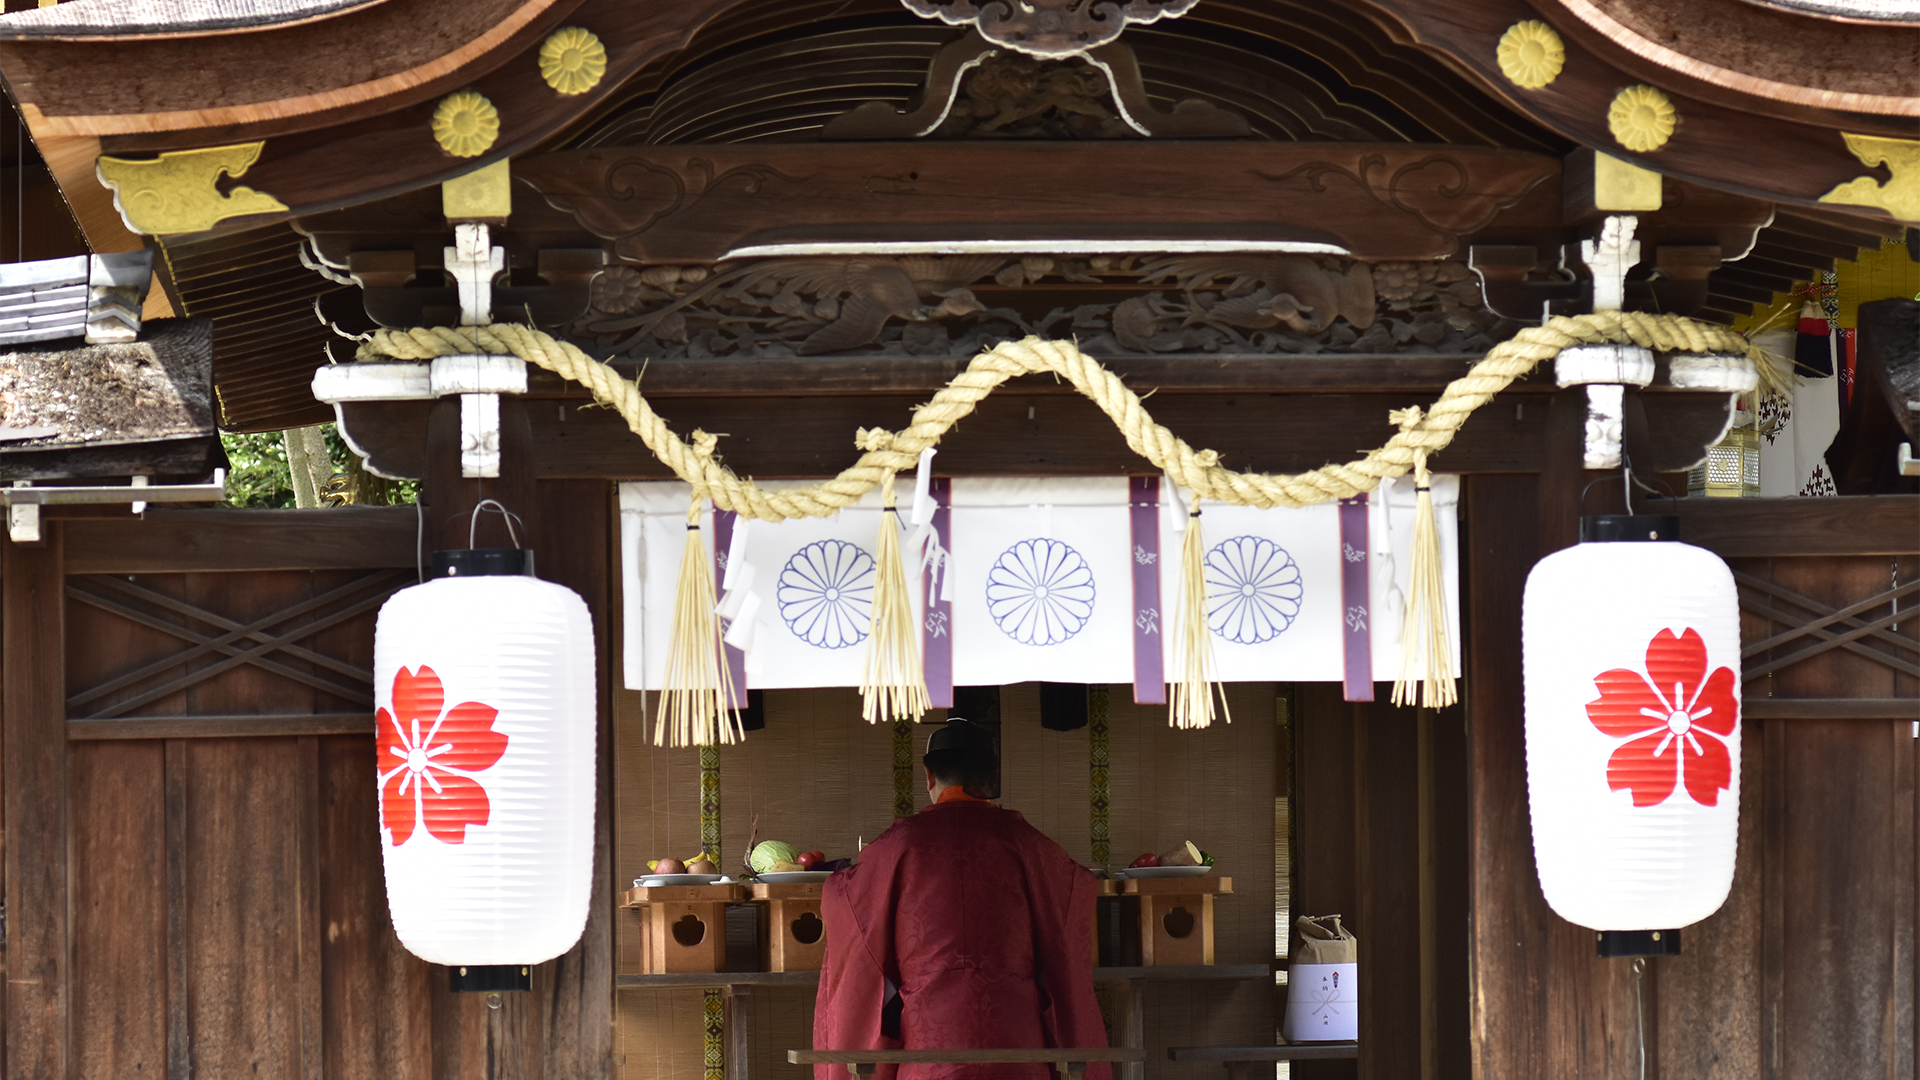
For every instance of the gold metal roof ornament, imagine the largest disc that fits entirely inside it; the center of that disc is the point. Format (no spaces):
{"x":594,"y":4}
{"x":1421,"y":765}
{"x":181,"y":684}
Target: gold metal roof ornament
{"x":1531,"y":54}
{"x":572,"y":60}
{"x":466,"y":124}
{"x":1642,"y":119}
{"x":1900,"y":195}
{"x":177,"y":192}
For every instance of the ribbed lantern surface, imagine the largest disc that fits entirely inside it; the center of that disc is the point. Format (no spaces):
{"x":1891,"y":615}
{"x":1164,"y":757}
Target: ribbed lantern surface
{"x":486,"y":721}
{"x":1632,"y":658}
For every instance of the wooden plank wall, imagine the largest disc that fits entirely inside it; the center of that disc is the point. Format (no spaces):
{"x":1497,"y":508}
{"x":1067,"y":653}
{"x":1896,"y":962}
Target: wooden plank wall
{"x":1808,"y":971}
{"x":215,"y":906}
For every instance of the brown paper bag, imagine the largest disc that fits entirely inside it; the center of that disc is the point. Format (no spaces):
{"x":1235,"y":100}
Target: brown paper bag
{"x":1324,"y":941}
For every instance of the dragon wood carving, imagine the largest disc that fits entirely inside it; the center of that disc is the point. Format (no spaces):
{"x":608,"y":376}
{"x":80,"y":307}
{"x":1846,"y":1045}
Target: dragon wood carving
{"x":960,"y":304}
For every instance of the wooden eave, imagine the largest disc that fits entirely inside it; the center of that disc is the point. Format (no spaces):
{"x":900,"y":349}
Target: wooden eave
{"x":332,"y":96}
{"x":1757,"y":131}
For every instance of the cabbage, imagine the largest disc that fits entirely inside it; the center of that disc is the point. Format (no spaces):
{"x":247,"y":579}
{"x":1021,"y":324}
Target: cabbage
{"x":769,"y":852}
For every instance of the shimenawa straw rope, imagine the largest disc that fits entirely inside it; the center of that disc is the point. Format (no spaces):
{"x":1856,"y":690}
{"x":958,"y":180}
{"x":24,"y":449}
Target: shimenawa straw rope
{"x":1196,"y":470}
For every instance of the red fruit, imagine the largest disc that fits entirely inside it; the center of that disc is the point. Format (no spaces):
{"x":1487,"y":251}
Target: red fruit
{"x":807,"y":860}
{"x":1149,"y":859}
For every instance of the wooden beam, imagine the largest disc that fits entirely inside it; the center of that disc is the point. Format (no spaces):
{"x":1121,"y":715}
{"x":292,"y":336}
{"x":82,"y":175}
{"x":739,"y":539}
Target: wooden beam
{"x":1039,"y":434}
{"x":1902,"y":709}
{"x":32,"y":695}
{"x":221,"y":727}
{"x":676,"y":205}
{"x":1848,"y":525}
{"x":177,"y":541}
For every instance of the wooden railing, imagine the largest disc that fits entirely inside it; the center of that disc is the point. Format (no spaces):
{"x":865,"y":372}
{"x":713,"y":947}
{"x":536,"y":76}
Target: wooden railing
{"x":1070,"y":1061}
{"x":1248,"y":1062}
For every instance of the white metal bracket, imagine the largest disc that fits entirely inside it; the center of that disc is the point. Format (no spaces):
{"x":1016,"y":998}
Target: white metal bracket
{"x":479,"y":379}
{"x":1606,"y":370}
{"x":1608,"y":257}
{"x":474,"y":262}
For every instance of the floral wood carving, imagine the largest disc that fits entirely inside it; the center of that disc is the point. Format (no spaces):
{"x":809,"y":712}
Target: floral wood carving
{"x":961,"y":304}
{"x":1049,"y":28}
{"x":1440,"y":191}
{"x":636,"y":193}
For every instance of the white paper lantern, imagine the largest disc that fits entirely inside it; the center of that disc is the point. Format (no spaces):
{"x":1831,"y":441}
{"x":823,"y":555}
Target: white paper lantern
{"x":486,"y":718}
{"x":1632,"y":657}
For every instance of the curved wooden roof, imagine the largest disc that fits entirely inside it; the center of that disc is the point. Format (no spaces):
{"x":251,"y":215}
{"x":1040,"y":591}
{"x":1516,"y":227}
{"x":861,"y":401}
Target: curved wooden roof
{"x":342,"y":102}
{"x":1764,"y":95}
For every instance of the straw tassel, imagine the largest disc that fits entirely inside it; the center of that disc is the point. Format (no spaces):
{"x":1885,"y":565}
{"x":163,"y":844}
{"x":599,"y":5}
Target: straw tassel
{"x":1190,"y":702}
{"x":894,"y":686}
{"x":694,"y":704}
{"x":1426,"y":654}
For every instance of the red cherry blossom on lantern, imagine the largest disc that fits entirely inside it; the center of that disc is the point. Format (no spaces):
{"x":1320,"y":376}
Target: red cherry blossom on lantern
{"x":428,"y":757}
{"x":1670,"y":715}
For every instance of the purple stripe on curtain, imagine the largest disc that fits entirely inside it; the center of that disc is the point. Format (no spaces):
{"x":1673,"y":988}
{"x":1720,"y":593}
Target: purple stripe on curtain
{"x":1355,"y":634}
{"x":936,"y":638}
{"x":1143,"y":511}
{"x":735,"y":659}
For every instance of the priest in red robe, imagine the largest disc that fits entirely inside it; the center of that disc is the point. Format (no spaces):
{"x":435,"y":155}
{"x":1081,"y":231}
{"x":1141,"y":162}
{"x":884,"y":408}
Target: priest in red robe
{"x":962,"y":927}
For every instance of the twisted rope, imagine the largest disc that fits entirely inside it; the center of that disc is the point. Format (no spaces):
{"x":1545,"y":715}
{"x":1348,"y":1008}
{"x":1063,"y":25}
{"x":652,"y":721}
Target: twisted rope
{"x":1422,"y":432}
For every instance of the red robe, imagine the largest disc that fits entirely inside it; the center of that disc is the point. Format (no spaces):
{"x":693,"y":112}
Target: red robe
{"x":960,"y":927}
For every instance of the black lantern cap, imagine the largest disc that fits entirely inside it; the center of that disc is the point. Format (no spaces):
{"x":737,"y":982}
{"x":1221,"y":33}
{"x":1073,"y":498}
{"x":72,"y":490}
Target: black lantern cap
{"x":1616,"y":528}
{"x":483,"y":562}
{"x":490,"y":978}
{"x":1622,"y":943}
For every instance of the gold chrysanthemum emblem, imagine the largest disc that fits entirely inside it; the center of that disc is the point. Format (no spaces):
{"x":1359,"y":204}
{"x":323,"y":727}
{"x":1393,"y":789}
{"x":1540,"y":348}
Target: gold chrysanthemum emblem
{"x":466,"y":124}
{"x":572,"y":60}
{"x":1641,"y":118}
{"x":1531,"y":54}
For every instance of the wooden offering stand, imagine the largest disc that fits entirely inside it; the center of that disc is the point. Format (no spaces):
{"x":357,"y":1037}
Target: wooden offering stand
{"x":1176,"y":918}
{"x":683,"y":928}
{"x":792,"y":937}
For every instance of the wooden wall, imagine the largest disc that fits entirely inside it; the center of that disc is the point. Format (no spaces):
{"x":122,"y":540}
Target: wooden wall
{"x":1808,"y":971}
{"x":193,"y":883}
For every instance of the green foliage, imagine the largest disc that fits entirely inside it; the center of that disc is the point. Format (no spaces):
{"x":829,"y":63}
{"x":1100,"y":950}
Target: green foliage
{"x":257,"y":473}
{"x":259,"y":476}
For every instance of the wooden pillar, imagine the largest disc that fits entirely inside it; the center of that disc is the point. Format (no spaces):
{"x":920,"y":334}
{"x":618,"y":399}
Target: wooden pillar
{"x":1446,"y":1050}
{"x":1387,"y":917}
{"x":575,"y":523}
{"x":448,"y":498}
{"x":33,"y":734}
{"x":1322,"y":808}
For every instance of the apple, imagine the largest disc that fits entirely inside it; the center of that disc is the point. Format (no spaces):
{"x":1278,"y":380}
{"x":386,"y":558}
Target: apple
{"x":1149,"y":859}
{"x":808,"y":860}
{"x":669,"y":866}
